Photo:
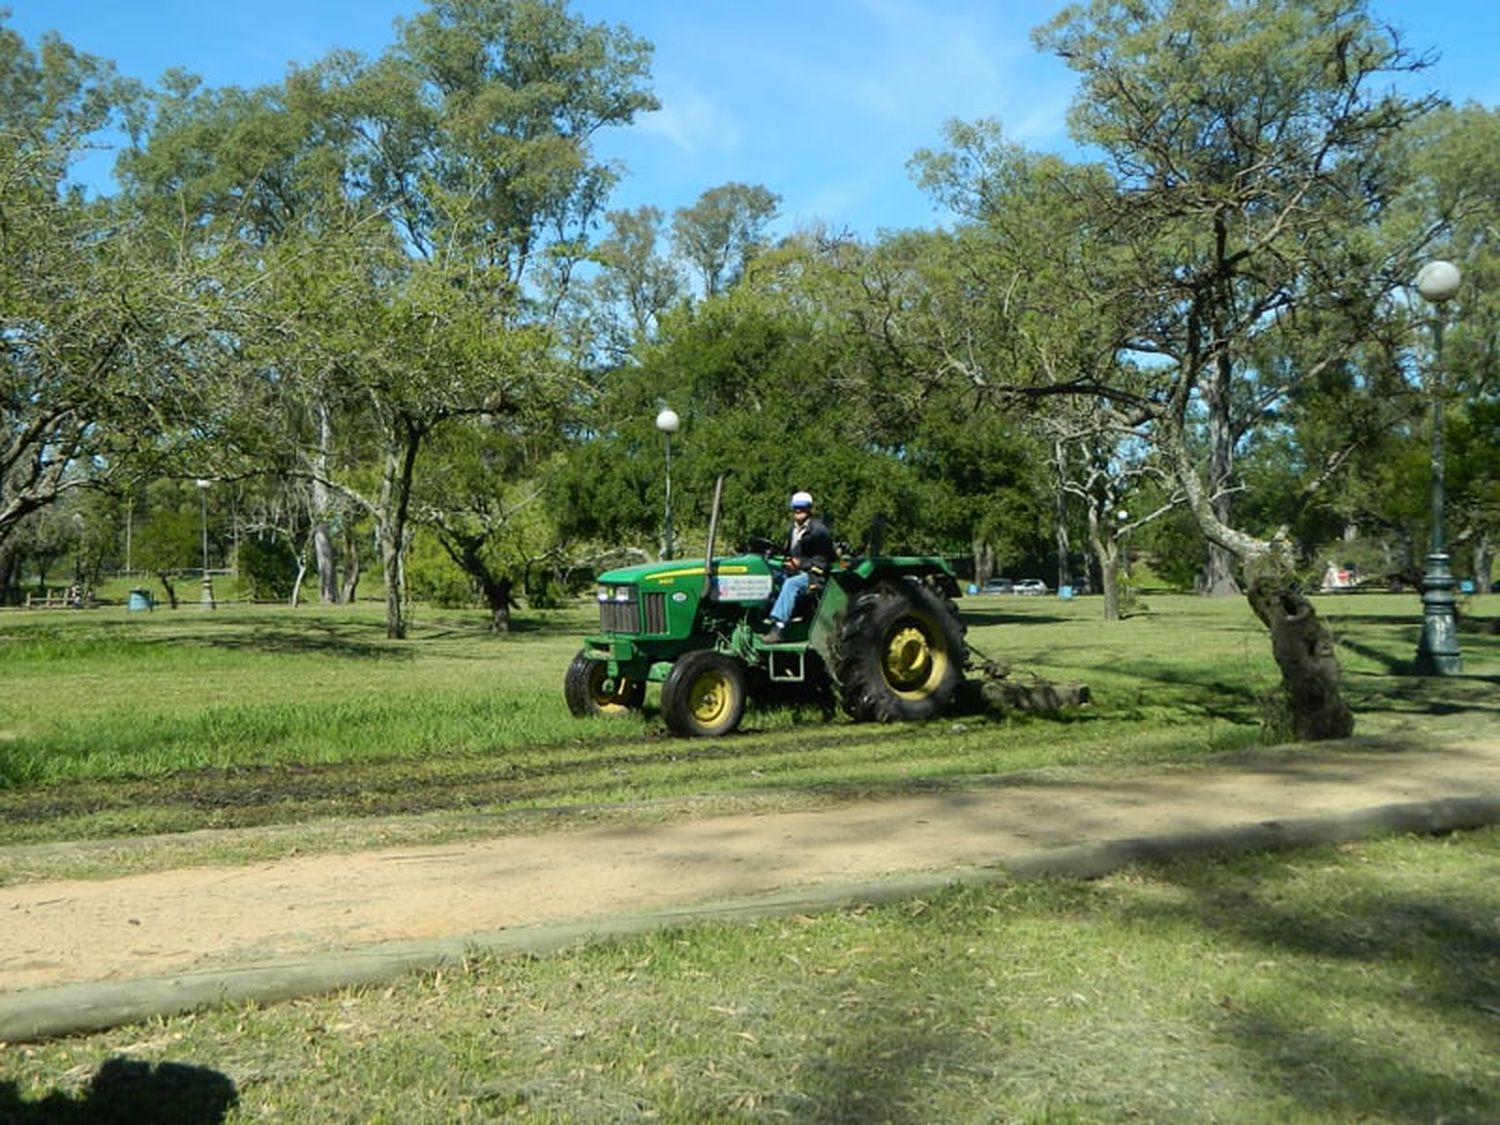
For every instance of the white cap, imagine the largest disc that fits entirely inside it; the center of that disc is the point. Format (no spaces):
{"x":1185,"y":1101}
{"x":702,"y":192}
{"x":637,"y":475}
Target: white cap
{"x":801,"y":500}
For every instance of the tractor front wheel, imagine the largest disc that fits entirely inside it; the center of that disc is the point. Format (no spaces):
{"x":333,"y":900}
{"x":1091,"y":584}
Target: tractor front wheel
{"x":901,"y":654}
{"x":590,"y":691}
{"x":704,"y":695}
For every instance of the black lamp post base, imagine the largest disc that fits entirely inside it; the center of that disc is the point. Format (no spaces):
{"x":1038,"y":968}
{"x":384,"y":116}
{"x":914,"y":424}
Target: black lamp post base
{"x":1437,"y":651}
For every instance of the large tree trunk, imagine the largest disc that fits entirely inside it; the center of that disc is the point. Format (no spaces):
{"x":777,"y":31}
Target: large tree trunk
{"x":984,"y":561}
{"x":1108,"y":554}
{"x":166,"y":583}
{"x":1105,"y":543}
{"x":10,"y":585}
{"x":1218,"y":577}
{"x":391,"y":551}
{"x":1311,"y":706}
{"x":497,"y":597}
{"x":351,"y":570}
{"x":322,"y":502}
{"x":395,"y":509}
{"x":1060,"y":514}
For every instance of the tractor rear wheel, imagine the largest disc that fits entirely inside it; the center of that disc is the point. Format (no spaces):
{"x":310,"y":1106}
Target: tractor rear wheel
{"x":589,"y":690}
{"x":901,"y":654}
{"x":704,"y":695}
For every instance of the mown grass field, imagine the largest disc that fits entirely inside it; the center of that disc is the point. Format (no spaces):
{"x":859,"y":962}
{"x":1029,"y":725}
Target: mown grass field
{"x":1349,"y":984}
{"x":220,"y":704}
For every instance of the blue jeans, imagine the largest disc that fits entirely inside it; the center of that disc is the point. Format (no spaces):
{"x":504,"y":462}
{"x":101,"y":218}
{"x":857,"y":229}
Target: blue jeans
{"x":794,"y":584}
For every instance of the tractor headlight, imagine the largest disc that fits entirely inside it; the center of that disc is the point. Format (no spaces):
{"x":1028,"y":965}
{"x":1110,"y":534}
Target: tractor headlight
{"x":623,"y":593}
{"x":603,"y":594}
{"x":618,"y":594}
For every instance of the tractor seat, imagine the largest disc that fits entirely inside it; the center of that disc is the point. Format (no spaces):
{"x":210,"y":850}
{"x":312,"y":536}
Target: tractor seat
{"x":807,"y":601}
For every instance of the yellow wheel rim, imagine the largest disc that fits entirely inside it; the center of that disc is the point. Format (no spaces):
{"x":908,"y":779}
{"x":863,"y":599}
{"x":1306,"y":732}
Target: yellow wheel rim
{"x":710,"y":697}
{"x":608,"y":702}
{"x":912,"y":664}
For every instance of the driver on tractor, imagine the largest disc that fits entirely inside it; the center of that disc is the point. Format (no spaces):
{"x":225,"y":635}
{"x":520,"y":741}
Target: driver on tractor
{"x":809,"y":554}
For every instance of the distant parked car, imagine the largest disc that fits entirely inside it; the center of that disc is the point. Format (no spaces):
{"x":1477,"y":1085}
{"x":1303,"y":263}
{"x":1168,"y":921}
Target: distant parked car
{"x":999,"y":586}
{"x":1031,"y":586}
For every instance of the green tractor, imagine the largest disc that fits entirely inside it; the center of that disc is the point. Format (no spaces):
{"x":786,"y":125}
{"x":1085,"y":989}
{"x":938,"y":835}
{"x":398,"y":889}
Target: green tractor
{"x":881,"y":638}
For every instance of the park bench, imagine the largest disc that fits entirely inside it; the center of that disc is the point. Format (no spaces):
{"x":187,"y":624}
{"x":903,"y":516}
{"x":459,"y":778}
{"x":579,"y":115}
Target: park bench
{"x":59,"y":599}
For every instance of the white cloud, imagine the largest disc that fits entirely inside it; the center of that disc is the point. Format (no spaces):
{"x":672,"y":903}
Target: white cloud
{"x":919,"y":64}
{"x":693,"y":123}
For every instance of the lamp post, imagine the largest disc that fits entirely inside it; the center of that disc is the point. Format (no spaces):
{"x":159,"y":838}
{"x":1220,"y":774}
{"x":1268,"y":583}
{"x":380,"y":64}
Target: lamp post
{"x":206,"y":599}
{"x":1437,"y":651}
{"x":668,"y":423}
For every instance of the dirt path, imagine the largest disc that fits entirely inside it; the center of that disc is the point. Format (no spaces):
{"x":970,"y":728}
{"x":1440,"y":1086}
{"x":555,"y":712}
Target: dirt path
{"x":195,"y":919}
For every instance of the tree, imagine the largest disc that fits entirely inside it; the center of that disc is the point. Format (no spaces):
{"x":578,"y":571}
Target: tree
{"x":170,"y":534}
{"x":1024,"y":305}
{"x":635,"y":285}
{"x":475,"y":136}
{"x":1247,"y":149}
{"x":397,"y":261}
{"x":1248,"y":144}
{"x":483,"y":498}
{"x":92,"y":314}
{"x":719,"y":234}
{"x":773,"y":380}
{"x":240,"y":169}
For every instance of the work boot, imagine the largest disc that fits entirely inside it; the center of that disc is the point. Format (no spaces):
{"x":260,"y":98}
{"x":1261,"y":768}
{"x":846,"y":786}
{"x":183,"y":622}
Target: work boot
{"x":773,"y":635}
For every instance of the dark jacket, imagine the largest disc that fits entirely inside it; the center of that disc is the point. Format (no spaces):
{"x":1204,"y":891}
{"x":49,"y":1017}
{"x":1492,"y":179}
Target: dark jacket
{"x":815,"y":549}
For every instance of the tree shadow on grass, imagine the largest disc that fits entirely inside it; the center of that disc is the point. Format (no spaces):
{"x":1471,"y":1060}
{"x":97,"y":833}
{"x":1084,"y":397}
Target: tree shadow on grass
{"x":1404,"y":692}
{"x":316,"y":640}
{"x":873,"y":1076}
{"x":997,"y":615}
{"x":1448,"y":950}
{"x":127,"y":1092}
{"x":1206,"y":694}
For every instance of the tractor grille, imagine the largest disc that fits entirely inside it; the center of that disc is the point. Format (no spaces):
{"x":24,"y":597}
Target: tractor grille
{"x":619,"y":617}
{"x":655,"y":606}
{"x":630,"y":618}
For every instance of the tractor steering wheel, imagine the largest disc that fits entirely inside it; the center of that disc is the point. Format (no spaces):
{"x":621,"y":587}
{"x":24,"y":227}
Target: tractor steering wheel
{"x":759,"y":546}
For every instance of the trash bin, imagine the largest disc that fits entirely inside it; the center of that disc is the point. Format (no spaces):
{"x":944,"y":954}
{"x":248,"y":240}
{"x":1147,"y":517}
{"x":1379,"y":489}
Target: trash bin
{"x":139,"y":600}
{"x":1065,"y":591}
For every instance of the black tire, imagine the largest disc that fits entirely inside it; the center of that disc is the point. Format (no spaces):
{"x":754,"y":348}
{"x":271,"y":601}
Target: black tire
{"x":901,"y":654}
{"x":589,"y":692}
{"x":704,"y":695}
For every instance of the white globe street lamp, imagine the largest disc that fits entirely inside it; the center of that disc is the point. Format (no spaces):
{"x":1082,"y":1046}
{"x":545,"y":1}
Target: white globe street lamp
{"x":668,"y":423}
{"x":1437,"y":651}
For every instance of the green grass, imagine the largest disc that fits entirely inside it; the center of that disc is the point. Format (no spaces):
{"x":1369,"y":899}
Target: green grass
{"x":1331,"y":985}
{"x":126,"y":724}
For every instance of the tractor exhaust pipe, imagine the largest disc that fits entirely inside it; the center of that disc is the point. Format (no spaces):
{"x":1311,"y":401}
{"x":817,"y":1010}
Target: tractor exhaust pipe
{"x":713,"y":534}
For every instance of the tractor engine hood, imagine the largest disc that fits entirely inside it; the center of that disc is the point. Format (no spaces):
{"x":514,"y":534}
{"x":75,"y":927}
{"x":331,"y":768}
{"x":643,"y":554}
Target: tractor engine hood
{"x":743,"y":579}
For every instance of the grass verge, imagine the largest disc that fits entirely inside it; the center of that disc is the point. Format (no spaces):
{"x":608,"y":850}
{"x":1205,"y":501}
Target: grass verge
{"x":117,"y":726}
{"x":1350,"y":984}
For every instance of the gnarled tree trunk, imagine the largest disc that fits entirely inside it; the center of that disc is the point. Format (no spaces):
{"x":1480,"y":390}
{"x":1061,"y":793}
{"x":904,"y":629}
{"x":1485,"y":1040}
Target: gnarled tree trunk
{"x":1311,"y":706}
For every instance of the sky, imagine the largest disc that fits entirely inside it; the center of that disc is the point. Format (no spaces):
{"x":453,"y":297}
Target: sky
{"x":821,"y":101}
